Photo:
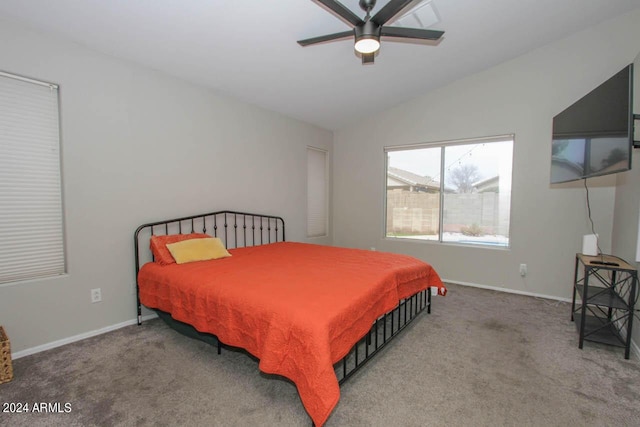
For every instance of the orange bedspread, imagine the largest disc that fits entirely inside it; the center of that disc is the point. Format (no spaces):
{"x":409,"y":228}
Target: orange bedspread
{"x":297,"y":307}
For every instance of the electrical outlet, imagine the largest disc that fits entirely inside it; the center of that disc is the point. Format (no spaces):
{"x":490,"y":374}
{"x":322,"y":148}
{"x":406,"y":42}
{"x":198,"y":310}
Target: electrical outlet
{"x":96,"y":295}
{"x":523,"y":270}
{"x":373,"y":248}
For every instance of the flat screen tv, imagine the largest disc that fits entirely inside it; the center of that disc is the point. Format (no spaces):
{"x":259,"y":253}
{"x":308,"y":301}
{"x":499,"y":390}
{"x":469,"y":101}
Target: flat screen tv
{"x":594,"y":136}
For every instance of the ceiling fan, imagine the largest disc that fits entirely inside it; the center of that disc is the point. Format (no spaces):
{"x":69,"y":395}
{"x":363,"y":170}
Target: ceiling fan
{"x":367,"y":32}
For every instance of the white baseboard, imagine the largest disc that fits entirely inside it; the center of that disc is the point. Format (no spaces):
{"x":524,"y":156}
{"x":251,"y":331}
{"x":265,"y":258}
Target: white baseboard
{"x":510,"y":291}
{"x":635,"y":349}
{"x":69,"y":340}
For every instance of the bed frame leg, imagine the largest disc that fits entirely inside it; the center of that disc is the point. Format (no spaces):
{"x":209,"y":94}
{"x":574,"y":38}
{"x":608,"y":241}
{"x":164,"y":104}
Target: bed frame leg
{"x":139,"y":305}
{"x":219,"y":347}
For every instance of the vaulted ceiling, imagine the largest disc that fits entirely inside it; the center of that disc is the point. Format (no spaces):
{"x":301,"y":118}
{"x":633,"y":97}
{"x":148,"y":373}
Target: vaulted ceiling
{"x":247,"y":48}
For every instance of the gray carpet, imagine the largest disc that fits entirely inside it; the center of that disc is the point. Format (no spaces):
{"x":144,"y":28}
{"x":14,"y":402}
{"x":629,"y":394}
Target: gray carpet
{"x":481,"y":358}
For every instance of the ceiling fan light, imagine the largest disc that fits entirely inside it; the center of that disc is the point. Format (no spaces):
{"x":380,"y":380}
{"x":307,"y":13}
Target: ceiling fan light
{"x":368,"y":44}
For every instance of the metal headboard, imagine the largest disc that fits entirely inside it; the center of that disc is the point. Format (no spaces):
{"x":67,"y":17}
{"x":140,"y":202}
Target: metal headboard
{"x":235,"y":229}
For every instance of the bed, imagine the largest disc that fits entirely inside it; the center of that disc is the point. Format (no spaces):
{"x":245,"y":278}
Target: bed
{"x":311,"y":313}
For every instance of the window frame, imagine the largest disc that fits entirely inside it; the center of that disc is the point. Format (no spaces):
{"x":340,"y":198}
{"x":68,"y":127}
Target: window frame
{"x":442,"y":145}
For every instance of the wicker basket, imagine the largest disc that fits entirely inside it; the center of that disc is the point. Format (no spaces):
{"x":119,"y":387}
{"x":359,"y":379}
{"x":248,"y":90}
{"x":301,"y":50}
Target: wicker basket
{"x":6,"y":370}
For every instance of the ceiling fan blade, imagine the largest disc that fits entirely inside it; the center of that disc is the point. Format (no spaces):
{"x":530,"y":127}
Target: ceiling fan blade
{"x":411,"y":33}
{"x":341,"y":11}
{"x":326,"y":38}
{"x":390,"y":10}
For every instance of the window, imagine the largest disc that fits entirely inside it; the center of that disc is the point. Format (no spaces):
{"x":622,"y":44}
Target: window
{"x":317,"y":200}
{"x":31,"y":227}
{"x":458,"y":192}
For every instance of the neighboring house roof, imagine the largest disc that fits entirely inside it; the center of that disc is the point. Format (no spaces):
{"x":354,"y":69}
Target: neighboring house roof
{"x":487,"y":184}
{"x":403,"y":177}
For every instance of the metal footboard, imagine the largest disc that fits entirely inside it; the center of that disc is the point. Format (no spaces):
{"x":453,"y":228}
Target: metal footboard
{"x":383,"y":330}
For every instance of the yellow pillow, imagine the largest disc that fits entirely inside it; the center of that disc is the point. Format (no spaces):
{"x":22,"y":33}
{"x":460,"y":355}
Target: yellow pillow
{"x":197,"y":250}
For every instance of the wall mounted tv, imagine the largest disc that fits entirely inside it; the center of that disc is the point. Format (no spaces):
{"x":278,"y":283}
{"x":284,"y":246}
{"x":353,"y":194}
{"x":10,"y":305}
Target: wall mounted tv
{"x":594,"y":136}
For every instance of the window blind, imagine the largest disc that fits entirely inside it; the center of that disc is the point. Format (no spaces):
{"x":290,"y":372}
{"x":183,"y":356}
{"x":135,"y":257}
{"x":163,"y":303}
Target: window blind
{"x":317,"y":206}
{"x":31,"y":220}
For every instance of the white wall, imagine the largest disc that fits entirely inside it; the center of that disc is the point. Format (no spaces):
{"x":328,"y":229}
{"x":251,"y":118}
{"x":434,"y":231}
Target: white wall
{"x":140,"y":146}
{"x":521,"y":97}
